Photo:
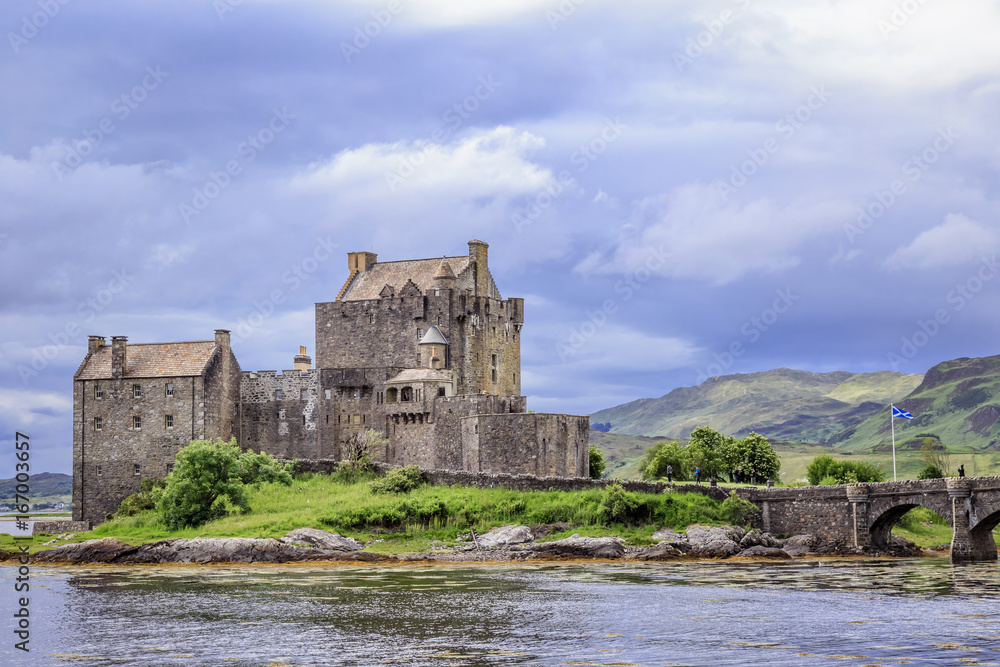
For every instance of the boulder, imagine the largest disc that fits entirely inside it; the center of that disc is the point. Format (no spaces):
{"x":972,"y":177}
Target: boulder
{"x":104,"y":550}
{"x":668,"y":535}
{"x":5,"y":555}
{"x":761,"y":551}
{"x":714,"y":542}
{"x":662,"y":551}
{"x":758,"y":538}
{"x":505,"y":535}
{"x":321,"y":539}
{"x":580,"y":547}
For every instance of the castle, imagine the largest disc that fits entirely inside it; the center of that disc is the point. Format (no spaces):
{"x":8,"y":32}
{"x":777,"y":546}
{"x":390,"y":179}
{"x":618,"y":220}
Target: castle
{"x":426,"y":352}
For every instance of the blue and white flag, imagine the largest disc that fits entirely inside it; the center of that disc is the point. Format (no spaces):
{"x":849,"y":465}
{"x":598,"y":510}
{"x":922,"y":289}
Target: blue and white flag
{"x":896,"y":412}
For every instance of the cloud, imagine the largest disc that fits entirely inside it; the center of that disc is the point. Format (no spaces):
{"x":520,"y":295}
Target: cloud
{"x":706,"y":240}
{"x":954,"y":241}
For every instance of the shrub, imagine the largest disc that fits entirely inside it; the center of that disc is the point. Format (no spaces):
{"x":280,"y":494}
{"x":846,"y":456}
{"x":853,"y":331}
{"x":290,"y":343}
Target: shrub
{"x":930,"y":472}
{"x":207,"y":476}
{"x":737,"y":510}
{"x":618,"y":505}
{"x":596,"y":463}
{"x":398,"y":480}
{"x":145,"y":499}
{"x":824,"y":467}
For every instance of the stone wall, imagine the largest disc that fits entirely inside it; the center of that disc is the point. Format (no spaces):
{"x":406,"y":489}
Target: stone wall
{"x":545,"y":445}
{"x":56,"y":527}
{"x":284,"y":426}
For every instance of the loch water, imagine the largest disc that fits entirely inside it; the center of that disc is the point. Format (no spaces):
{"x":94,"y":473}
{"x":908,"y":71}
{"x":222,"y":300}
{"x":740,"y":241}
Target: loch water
{"x":803,"y":612}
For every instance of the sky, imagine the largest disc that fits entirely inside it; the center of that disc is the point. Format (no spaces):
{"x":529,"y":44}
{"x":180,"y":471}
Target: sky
{"x":677,"y":189}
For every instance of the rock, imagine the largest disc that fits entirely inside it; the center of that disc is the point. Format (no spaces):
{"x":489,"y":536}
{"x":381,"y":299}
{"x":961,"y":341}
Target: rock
{"x":804,"y":540}
{"x":321,"y":539}
{"x":662,"y":551}
{"x":5,"y":555}
{"x":505,"y":535}
{"x":668,"y":535}
{"x":902,"y":547}
{"x":757,"y":537}
{"x":761,"y":551}
{"x":104,"y":550}
{"x":581,"y":547}
{"x":543,"y":529}
{"x":715,"y":542}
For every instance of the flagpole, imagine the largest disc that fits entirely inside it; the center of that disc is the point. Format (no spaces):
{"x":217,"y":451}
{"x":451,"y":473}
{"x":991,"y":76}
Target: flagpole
{"x":892,"y":424}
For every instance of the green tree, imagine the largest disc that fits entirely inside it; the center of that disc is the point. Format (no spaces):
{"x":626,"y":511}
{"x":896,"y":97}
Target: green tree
{"x":656,"y":459}
{"x":597,"y":464}
{"x":755,"y":454}
{"x":930,"y":472}
{"x":710,"y":450}
{"x":209,"y":473}
{"x":824,"y":468}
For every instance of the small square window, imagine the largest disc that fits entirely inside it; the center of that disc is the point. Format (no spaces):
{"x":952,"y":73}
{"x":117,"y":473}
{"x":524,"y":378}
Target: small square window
{"x":137,"y":391}
{"x":170,"y":389}
{"x":98,"y":391}
{"x":170,"y":468}
{"x":168,"y":421}
{"x":99,"y":470}
{"x":278,"y":394}
{"x":136,"y":422}
{"x":441,"y":391}
{"x":326,"y":393}
{"x":356,"y":394}
{"x":98,"y":423}
{"x":304,"y":394}
{"x":138,"y":469}
{"x":420,"y":334}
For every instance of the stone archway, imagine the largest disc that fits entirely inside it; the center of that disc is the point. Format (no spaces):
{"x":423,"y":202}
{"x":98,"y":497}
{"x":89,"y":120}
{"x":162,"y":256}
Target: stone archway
{"x":882,"y":525}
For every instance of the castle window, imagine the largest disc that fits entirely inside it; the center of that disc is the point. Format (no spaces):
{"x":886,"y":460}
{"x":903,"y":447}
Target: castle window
{"x":391,"y":395}
{"x":138,"y":469}
{"x":303,"y":420}
{"x":441,"y":391}
{"x":304,"y":394}
{"x":136,"y":422}
{"x":170,"y":389}
{"x":278,"y":394}
{"x":98,"y":423}
{"x":99,"y":470}
{"x":406,"y":394}
{"x":357,"y":419}
{"x":326,"y":393}
{"x":170,"y":468}
{"x":420,"y":334}
{"x":356,"y":394}
{"x":168,"y":421}
{"x":281,"y":414}
{"x":98,"y":391}
{"x":328,"y":419}
{"x":137,"y":391}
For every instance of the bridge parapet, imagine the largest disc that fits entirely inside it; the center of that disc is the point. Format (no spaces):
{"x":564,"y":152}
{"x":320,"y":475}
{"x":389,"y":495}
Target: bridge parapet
{"x":864,"y":514}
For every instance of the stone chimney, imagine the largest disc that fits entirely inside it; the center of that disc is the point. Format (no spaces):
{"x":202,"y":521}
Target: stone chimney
{"x":222,"y":338}
{"x":478,"y":255}
{"x":94,"y":343}
{"x":118,"y":357}
{"x":302,"y":361}
{"x":360,"y":261}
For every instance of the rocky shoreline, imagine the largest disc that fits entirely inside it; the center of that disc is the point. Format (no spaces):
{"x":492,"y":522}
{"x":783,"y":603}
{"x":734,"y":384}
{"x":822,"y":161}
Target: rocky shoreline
{"x":504,"y":544}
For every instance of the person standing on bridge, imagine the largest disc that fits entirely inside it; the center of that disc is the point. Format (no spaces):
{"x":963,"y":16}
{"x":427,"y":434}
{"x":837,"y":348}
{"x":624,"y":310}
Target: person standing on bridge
{"x":961,"y":470}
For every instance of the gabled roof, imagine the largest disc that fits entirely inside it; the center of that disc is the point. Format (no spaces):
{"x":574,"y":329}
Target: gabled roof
{"x":149,"y":360}
{"x":369,"y":284}
{"x":433,"y":337}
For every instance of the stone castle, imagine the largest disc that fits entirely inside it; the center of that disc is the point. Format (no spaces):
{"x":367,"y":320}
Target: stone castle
{"x":426,"y":352}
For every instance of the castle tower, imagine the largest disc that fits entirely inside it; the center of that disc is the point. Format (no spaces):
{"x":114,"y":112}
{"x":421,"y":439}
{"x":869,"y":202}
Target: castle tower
{"x":433,"y":349}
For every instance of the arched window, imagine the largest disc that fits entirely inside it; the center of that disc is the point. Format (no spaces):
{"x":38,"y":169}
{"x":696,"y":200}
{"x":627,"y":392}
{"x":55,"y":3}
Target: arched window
{"x":406,"y":394}
{"x":391,"y":395}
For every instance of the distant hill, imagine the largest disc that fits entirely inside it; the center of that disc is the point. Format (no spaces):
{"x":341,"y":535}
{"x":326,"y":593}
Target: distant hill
{"x":783,"y":404}
{"x":958,"y":401}
{"x":43,"y":484}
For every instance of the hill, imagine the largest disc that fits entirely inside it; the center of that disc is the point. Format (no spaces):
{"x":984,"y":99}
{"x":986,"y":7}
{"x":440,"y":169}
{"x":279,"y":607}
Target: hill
{"x":41,"y":484}
{"x":783,"y":404}
{"x":958,"y":402}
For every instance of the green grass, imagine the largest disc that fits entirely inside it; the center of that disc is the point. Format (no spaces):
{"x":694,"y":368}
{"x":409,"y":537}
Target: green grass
{"x":418,"y":520}
{"x":924,"y":527}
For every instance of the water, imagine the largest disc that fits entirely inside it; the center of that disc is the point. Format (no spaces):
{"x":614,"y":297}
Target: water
{"x":923,"y":612}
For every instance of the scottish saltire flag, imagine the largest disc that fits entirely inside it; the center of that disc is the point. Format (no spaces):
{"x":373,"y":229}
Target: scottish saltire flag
{"x":896,"y":412}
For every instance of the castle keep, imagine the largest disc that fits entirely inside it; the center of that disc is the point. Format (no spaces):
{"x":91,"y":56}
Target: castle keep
{"x":426,"y":352}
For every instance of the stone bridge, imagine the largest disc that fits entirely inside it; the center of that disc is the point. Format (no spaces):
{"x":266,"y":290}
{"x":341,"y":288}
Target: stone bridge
{"x":864,"y":514}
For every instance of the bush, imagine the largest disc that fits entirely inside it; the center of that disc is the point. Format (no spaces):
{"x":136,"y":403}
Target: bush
{"x":737,"y":510}
{"x":597,"y":464}
{"x":930,"y":472}
{"x":150,"y":491}
{"x":656,"y":459}
{"x":824,"y":468}
{"x":618,"y":505}
{"x":210,"y":475}
{"x":398,"y":480}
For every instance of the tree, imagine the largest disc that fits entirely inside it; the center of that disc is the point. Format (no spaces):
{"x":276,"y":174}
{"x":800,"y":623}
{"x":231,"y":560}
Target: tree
{"x":209,"y":473}
{"x":755,"y":454}
{"x":363,"y":448}
{"x":825,"y":467}
{"x":597,"y":464}
{"x":710,"y":450}
{"x":656,"y":459}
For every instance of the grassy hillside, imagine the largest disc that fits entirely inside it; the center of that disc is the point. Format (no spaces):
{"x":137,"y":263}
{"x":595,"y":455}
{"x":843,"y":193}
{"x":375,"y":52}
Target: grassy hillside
{"x":958,"y":401}
{"x":622,"y":453}
{"x":783,"y":403}
{"x":44,"y":487}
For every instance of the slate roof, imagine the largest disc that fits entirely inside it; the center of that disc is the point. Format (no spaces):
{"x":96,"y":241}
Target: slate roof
{"x":150,"y":360}
{"x":369,"y":283}
{"x":433,"y":337}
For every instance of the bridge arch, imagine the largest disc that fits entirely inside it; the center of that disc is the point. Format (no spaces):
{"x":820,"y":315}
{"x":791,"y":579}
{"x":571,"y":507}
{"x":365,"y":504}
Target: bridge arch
{"x":884,"y":515}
